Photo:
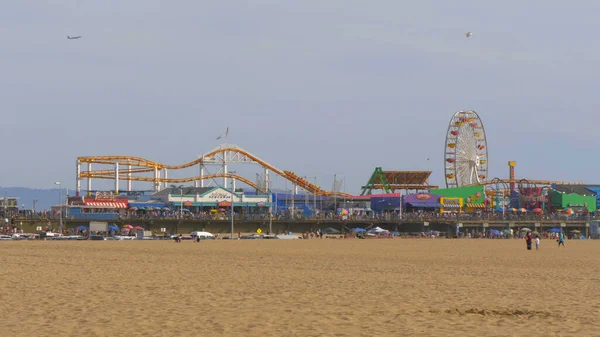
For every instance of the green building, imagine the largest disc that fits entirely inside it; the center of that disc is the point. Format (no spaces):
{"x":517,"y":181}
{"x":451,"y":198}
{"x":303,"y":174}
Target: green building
{"x":467,"y":198}
{"x":470,"y":194}
{"x":575,"y":201}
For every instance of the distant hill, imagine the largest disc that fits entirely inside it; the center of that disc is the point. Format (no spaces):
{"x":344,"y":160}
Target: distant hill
{"x":45,"y":198}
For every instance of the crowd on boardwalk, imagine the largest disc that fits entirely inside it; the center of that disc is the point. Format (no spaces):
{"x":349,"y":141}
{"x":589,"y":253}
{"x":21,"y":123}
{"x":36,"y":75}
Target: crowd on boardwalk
{"x":330,"y":215}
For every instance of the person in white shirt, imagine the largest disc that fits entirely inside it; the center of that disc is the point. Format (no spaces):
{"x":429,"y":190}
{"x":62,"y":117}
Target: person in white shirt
{"x":537,"y":243}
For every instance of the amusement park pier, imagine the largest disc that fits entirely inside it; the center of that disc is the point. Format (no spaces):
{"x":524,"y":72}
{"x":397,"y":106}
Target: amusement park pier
{"x":204,"y":192}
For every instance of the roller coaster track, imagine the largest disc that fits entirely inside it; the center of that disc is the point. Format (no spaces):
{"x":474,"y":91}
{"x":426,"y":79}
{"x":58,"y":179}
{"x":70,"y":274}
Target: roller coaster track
{"x":133,"y":165}
{"x":527,"y":181}
{"x":95,"y":175}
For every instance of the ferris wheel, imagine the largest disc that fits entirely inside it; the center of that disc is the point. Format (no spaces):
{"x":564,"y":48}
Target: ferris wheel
{"x":466,"y":156}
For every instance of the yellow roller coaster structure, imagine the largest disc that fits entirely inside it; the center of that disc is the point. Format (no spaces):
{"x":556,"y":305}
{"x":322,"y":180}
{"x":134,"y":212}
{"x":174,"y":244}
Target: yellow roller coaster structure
{"x":132,"y":169}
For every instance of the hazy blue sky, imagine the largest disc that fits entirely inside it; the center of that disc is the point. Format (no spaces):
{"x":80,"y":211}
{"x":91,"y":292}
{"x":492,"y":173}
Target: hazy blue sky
{"x":316,"y":87}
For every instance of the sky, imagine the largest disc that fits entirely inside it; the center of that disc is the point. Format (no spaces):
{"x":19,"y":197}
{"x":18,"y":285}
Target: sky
{"x":316,"y":87}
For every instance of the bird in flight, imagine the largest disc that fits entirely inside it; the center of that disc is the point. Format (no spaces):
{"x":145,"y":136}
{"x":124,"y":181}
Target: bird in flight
{"x":73,"y":37}
{"x":468,"y":34}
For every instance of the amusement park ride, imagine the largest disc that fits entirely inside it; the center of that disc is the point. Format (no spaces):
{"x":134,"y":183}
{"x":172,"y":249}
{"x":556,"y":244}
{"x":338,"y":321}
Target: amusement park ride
{"x":137,"y":169}
{"x":465,"y":164}
{"x":466,"y":150}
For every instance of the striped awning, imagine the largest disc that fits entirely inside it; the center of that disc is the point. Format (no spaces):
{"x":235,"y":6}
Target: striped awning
{"x":476,"y":205}
{"x":106,"y":204}
{"x":451,"y":205}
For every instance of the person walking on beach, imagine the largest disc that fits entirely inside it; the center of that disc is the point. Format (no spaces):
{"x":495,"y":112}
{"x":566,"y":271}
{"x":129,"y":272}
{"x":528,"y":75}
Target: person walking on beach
{"x":528,"y":240}
{"x":561,"y":239}
{"x":537,"y":242}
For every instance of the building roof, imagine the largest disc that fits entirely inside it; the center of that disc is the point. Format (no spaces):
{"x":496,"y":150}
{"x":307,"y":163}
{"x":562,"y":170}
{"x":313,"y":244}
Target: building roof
{"x":406,"y":177}
{"x":579,"y":189}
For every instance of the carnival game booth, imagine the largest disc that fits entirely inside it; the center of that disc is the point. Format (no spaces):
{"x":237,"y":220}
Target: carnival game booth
{"x":451,"y":205}
{"x":462,"y":199}
{"x":104,"y":205}
{"x":424,"y":202}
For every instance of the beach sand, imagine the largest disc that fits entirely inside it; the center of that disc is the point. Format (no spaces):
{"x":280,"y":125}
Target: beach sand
{"x":401,"y":287}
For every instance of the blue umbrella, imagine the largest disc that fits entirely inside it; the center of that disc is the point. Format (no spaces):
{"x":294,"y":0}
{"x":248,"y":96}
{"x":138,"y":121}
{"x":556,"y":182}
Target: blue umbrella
{"x":82,"y":228}
{"x":113,"y":228}
{"x":358,"y":229}
{"x":554,"y":230}
{"x":495,"y":231}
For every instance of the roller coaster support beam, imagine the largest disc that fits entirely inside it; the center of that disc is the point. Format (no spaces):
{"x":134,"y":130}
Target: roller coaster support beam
{"x":89,"y":181}
{"x":225,"y":167}
{"x":156,"y":180}
{"x":166,"y":176}
{"x":293,"y":213}
{"x":116,"y":178}
{"x":129,"y":179}
{"x":78,"y":179}
{"x":267,"y":187}
{"x":201,"y":173}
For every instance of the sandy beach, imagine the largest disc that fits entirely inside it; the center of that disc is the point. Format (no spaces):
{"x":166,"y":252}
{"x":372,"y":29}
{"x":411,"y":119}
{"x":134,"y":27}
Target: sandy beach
{"x":410,"y":287}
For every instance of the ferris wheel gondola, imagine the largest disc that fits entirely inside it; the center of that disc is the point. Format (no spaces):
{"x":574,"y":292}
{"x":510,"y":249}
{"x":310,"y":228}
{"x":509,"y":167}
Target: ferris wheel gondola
{"x":466,"y":153}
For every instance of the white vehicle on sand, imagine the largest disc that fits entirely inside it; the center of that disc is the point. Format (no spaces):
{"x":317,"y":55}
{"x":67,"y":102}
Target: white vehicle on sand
{"x":202,"y":235}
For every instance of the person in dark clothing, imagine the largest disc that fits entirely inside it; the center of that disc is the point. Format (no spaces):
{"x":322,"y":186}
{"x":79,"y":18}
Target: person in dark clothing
{"x":528,"y":239}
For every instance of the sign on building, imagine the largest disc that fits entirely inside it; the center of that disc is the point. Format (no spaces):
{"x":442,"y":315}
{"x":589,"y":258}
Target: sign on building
{"x":98,"y":226}
{"x":219,"y":195}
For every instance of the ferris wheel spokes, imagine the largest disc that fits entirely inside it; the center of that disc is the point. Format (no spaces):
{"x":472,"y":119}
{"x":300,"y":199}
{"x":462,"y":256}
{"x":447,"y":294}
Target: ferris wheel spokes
{"x":466,"y":154}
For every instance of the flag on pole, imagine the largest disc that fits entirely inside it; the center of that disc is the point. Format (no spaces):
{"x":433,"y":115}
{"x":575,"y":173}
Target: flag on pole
{"x":218,"y":137}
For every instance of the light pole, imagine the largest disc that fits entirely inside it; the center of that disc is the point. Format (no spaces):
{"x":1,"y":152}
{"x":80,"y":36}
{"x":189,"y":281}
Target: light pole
{"x":270,"y":213}
{"x":335,"y":194}
{"x":180,"y":187}
{"x":60,"y":223}
{"x":270,"y":210}
{"x":232,"y":186}
{"x":400,"y":207}
{"x":314,"y":195}
{"x":343,"y":188}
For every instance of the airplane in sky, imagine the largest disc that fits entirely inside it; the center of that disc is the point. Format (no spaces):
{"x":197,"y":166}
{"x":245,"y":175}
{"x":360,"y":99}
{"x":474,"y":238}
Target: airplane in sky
{"x":73,"y":37}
